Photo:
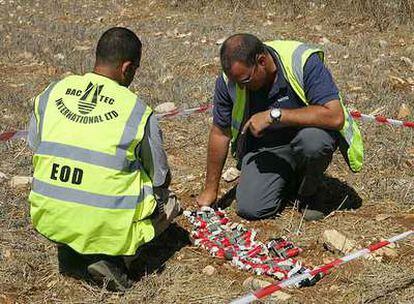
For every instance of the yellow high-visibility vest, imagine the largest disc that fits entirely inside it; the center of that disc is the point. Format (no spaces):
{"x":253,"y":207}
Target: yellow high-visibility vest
{"x":292,"y":56}
{"x":89,"y":189}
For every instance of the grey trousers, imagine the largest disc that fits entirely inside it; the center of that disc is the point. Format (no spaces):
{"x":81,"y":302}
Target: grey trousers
{"x":270,"y":176}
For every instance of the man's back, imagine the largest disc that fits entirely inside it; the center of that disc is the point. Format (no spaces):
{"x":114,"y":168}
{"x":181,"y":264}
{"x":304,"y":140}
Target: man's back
{"x":86,"y":173}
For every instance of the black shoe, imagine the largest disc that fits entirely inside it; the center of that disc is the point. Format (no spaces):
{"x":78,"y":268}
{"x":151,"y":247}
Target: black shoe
{"x":71,"y":263}
{"x":312,"y":208}
{"x":109,"y":274}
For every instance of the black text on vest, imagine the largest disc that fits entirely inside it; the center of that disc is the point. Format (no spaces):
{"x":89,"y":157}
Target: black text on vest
{"x":66,"y":173}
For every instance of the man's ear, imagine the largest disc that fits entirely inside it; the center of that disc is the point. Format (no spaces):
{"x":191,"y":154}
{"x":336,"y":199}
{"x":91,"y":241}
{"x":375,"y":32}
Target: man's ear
{"x":125,"y":66}
{"x":261,"y":60}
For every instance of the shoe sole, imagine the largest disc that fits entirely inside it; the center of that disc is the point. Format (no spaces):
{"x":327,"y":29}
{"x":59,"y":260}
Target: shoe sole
{"x":102,"y":274}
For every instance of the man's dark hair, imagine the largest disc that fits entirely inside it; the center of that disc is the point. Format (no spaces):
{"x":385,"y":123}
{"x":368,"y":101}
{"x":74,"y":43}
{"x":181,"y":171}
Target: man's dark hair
{"x":117,"y":45}
{"x":240,"y":47}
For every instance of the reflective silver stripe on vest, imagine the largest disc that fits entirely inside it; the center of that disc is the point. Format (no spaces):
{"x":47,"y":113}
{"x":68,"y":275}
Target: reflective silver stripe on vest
{"x":297,"y":62}
{"x":90,"y":199}
{"x":43,"y":99}
{"x":87,"y":156}
{"x":131,"y":127}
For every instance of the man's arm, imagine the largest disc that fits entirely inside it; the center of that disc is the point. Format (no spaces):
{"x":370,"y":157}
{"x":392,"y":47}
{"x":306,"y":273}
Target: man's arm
{"x":324,"y":111}
{"x":33,"y":136}
{"x":218,"y":143}
{"x":153,"y":156}
{"x":218,"y":146}
{"x":328,"y":116}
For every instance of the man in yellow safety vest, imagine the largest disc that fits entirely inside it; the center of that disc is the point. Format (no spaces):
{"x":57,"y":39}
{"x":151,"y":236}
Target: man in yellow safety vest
{"x":101,"y":176}
{"x":278,"y":106}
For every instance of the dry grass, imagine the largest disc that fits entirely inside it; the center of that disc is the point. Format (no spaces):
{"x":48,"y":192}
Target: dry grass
{"x":180,"y":64}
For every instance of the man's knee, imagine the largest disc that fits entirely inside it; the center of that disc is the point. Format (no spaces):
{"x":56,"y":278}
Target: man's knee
{"x":313,"y":143}
{"x":256,"y":207}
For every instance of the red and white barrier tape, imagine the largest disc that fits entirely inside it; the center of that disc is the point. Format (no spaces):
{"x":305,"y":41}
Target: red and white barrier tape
{"x":381,"y":119}
{"x":263,"y":292}
{"x":13,"y":135}
{"x":204,"y":108}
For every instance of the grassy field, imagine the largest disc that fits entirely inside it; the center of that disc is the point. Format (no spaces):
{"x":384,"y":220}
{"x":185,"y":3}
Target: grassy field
{"x":370,"y":50}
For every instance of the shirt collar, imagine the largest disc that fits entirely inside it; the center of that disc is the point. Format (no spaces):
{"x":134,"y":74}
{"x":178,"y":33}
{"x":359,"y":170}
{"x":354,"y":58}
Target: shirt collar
{"x":280,"y":84}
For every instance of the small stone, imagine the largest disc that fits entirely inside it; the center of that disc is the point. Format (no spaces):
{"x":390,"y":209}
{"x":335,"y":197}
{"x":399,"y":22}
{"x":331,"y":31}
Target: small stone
{"x":190,"y":178}
{"x":59,"y":56}
{"x":220,"y":41}
{"x":209,"y":270}
{"x":335,"y":241}
{"x":252,"y":283}
{"x":328,"y":260}
{"x":404,"y":111}
{"x":383,"y":44}
{"x":81,"y":48}
{"x":408,"y":62}
{"x":165,"y":107}
{"x":317,"y":27}
{"x":386,"y":252}
{"x":27,"y":55}
{"x":7,"y":254}
{"x":167,"y":78}
{"x":382,"y":217}
{"x":231,"y":174}
{"x":18,"y":181}
{"x":324,"y":40}
{"x":334,"y":288}
{"x":2,"y":176}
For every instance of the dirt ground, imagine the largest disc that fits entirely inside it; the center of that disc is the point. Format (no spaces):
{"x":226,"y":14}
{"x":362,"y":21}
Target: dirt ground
{"x":45,"y":40}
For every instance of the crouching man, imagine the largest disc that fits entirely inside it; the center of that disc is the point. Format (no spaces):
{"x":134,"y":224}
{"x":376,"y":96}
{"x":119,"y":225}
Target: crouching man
{"x":101,"y":177}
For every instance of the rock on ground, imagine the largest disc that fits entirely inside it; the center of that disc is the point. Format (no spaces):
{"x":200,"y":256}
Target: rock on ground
{"x":165,"y":107}
{"x":252,"y":283}
{"x":231,"y":174}
{"x":336,"y":241}
{"x":18,"y":181}
{"x":209,"y":270}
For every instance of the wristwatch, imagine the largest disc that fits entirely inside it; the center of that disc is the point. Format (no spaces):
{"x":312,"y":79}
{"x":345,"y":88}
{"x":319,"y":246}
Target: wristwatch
{"x":275,"y":115}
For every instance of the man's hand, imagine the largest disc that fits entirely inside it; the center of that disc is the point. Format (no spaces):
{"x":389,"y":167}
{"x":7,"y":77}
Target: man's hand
{"x":206,"y":198}
{"x":258,"y":123}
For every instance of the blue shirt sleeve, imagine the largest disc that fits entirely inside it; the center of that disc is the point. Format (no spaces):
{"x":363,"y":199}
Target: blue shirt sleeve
{"x":320,"y":87}
{"x":152,"y":153}
{"x":223,"y":104}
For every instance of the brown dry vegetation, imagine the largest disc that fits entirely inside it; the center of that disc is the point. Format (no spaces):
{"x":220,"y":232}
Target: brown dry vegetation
{"x":43,"y":40}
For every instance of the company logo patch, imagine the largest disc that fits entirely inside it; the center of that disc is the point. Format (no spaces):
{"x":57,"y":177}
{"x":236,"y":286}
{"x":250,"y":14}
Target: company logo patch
{"x":282,"y":99}
{"x":88,"y":101}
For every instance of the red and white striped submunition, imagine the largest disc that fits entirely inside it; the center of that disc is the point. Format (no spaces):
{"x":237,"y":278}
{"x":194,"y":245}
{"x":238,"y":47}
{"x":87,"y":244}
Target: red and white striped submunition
{"x":207,"y":107}
{"x":263,"y":292}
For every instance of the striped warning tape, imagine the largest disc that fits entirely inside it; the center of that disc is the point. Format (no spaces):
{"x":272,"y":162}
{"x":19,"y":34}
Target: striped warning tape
{"x":382,"y":120}
{"x":9,"y":135}
{"x":263,"y":292}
